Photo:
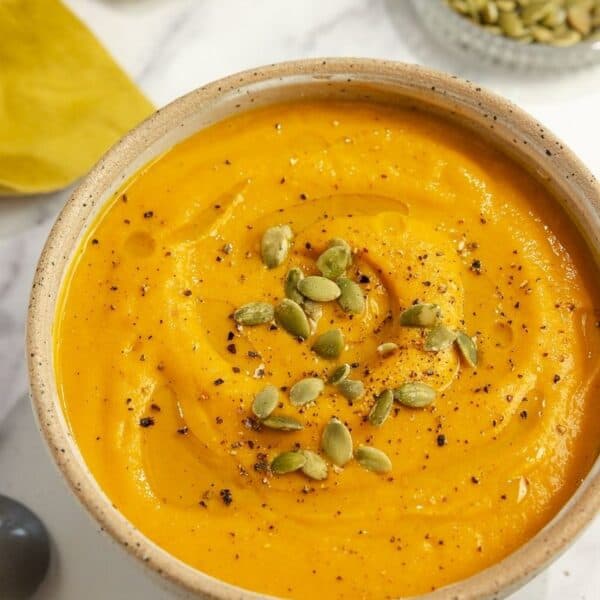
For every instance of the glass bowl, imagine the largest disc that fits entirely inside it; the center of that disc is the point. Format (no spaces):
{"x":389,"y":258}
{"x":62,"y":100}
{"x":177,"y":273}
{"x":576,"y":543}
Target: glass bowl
{"x":446,"y":24}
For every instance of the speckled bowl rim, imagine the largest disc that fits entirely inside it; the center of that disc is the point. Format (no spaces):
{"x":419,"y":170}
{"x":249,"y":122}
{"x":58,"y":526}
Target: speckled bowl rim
{"x":493,"y":111}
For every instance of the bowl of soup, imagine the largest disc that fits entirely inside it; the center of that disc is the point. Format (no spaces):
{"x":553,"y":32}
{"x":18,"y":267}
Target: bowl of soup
{"x":328,"y":328}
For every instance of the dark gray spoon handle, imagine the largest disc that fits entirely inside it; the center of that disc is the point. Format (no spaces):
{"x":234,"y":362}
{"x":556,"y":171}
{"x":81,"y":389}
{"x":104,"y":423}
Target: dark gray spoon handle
{"x":24,"y":550}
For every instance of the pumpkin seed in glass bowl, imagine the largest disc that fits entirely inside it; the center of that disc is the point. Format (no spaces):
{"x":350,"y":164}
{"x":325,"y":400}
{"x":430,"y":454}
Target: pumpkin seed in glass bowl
{"x":527,"y":34}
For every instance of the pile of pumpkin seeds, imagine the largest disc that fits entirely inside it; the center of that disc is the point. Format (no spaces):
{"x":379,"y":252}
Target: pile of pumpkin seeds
{"x":337,"y":445}
{"x":554,"y":22}
{"x":298,"y":314}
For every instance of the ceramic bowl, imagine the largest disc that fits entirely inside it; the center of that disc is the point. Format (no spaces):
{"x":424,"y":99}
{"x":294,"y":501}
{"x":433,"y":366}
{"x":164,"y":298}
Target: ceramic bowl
{"x":502,"y":123}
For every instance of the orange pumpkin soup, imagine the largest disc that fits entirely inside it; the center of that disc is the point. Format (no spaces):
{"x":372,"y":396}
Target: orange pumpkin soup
{"x":411,"y":458}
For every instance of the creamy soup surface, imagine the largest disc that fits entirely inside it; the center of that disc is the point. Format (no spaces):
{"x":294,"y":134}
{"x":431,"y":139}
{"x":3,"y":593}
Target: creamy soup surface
{"x":158,"y":381}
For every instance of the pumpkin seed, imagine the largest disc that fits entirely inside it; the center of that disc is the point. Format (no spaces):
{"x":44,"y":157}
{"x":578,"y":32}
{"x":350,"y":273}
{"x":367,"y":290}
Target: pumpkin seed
{"x":536,"y":11}
{"x":265,"y":401}
{"x":373,"y":459}
{"x":306,"y":390}
{"x":506,"y":5}
{"x":339,"y":374}
{"x":474,"y":8}
{"x":511,"y":24}
{"x":337,"y":442}
{"x":541,"y":34}
{"x":314,"y":312}
{"x":579,"y":18}
{"x":461,"y":6}
{"x":566,"y":39}
{"x":329,"y":344}
{"x":414,"y":394}
{"x":314,"y":467}
{"x":290,"y":285}
{"x":556,"y":18}
{"x":340,"y":242}
{"x":275,"y":245}
{"x":334,"y":261}
{"x":254,"y":313}
{"x":291,"y":317}
{"x":282,"y":423}
{"x":382,"y":408}
{"x":387,"y":348}
{"x":489,"y":13}
{"x":561,"y":29}
{"x":351,"y":297}
{"x":288,"y":462}
{"x":467,"y":348}
{"x":351,"y":389}
{"x":319,"y":289}
{"x":439,"y":338}
{"x":420,"y":315}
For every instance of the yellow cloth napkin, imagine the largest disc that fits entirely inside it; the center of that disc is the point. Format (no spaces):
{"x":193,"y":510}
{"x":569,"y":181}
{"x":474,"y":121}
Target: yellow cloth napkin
{"x":63,"y":100}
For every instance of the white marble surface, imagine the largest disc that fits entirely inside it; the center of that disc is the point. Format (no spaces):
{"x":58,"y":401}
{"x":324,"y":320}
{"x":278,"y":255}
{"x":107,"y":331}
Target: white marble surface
{"x":170,"y":47}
